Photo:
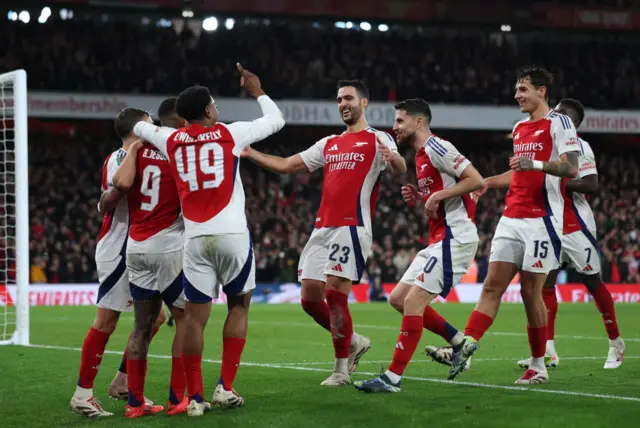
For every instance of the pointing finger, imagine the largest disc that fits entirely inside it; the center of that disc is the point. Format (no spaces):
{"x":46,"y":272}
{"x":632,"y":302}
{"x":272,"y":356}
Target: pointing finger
{"x":240,"y":69}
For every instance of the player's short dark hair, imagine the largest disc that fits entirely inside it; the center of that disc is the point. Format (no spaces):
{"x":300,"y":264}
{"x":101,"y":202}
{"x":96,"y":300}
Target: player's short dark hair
{"x":538,"y":76}
{"x":192,"y":102}
{"x":167,"y":108}
{"x":415,"y":107}
{"x":576,"y":106}
{"x":126,"y":119}
{"x":361,"y":87}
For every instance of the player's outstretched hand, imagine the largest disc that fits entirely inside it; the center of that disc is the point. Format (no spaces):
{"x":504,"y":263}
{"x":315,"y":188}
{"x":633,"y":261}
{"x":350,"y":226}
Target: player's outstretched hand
{"x":250,"y":82}
{"x":385,"y":151}
{"x":520,"y":164}
{"x":410,"y":194}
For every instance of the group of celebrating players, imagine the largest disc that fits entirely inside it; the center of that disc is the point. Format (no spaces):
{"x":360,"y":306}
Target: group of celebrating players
{"x":175,"y":231}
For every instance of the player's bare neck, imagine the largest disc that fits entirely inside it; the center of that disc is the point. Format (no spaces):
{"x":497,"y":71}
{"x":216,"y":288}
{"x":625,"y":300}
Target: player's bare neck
{"x":128,"y":141}
{"x":360,"y":126}
{"x":539,"y":113}
{"x":420,"y":139}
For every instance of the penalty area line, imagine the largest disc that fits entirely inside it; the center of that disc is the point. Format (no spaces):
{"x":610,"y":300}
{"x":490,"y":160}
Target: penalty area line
{"x":419,"y":379}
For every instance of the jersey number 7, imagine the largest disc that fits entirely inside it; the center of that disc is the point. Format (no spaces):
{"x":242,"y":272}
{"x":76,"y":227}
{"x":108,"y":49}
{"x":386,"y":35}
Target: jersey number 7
{"x":209,"y":162}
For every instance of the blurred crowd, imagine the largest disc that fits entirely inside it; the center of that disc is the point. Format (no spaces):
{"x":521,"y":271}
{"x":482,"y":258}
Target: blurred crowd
{"x":304,"y":60}
{"x":64,"y":183}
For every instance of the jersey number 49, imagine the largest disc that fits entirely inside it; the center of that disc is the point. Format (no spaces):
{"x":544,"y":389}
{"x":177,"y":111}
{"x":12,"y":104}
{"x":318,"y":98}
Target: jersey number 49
{"x":209,"y":162}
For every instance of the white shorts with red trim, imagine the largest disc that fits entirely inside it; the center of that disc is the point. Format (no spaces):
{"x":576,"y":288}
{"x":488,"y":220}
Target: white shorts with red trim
{"x":339,"y":251}
{"x":580,"y":251}
{"x":218,"y":260}
{"x":440,"y":266}
{"x":532,"y":244}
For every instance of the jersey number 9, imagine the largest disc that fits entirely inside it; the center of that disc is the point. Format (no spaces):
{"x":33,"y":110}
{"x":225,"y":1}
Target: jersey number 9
{"x":150,"y":187}
{"x":210,"y":162}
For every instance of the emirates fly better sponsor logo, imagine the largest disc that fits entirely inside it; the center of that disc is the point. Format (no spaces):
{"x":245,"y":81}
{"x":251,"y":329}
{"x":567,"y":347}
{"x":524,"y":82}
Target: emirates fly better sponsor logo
{"x":342,"y":161}
{"x":527,"y":150}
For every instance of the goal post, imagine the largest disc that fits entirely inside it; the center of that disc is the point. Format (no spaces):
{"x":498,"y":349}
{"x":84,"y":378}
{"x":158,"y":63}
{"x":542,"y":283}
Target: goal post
{"x":14,"y":209}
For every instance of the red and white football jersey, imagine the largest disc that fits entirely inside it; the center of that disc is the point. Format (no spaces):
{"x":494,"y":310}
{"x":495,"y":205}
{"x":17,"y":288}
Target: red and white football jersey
{"x":352,"y":166}
{"x":534,"y":194}
{"x":577,"y":212}
{"x":439,"y":166}
{"x":115,"y":225}
{"x":204,"y":163}
{"x":154,"y":206}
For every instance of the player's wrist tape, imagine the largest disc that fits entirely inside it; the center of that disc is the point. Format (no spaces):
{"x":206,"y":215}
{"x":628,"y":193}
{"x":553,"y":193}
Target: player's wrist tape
{"x":538,"y":165}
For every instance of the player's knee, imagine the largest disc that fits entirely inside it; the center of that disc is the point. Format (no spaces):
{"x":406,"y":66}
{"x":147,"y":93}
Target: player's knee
{"x":592,"y":282}
{"x":339,"y":284}
{"x":493,"y":288}
{"x":106,"y":320}
{"x":312,"y":290}
{"x":529,"y":294}
{"x":397,"y":302}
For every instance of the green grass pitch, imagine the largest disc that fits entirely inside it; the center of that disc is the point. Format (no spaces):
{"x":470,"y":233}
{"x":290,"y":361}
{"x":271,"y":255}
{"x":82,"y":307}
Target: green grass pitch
{"x":287,"y":356}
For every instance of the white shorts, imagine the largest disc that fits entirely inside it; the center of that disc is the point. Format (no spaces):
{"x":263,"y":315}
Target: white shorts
{"x":440,"y":266}
{"x":532,"y":244}
{"x":113,"y":292}
{"x":211,"y":261}
{"x":158,"y":273}
{"x":580,"y":251}
{"x":339,"y":251}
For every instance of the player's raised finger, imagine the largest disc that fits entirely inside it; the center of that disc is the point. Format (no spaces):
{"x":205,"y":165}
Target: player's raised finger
{"x":240,"y":68}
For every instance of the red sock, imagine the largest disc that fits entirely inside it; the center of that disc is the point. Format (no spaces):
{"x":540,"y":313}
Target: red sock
{"x":136,"y":374}
{"x":478,"y":325}
{"x":123,"y":363}
{"x":341,"y":323}
{"x":231,"y":352}
{"x":178,"y":383}
{"x":92,"y":350}
{"x":551,"y":302}
{"x":408,"y":340}
{"x":604,"y":302}
{"x":434,"y":322}
{"x":537,"y":340}
{"x":319,"y":311}
{"x":193,"y":372}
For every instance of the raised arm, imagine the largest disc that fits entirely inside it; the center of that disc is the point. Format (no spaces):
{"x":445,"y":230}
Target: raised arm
{"x":125,"y":175}
{"x":272,"y":120}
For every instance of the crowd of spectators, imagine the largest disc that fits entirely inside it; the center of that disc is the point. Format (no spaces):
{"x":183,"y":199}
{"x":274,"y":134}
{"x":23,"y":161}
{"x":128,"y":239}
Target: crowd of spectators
{"x":64,"y":182}
{"x":302,"y":60}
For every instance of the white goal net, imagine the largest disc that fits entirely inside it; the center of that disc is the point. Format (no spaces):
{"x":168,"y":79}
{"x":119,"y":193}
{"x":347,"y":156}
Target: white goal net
{"x":14,"y":214}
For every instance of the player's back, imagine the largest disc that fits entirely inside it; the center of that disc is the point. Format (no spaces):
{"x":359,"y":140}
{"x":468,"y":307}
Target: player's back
{"x":577,"y":211}
{"x":204,"y":163}
{"x":154,"y":206}
{"x":439,"y":166}
{"x":115,"y":224}
{"x":534,"y":194}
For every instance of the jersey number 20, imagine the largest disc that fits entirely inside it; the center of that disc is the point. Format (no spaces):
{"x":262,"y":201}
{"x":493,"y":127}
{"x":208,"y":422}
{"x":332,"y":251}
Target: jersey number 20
{"x":210,"y":161}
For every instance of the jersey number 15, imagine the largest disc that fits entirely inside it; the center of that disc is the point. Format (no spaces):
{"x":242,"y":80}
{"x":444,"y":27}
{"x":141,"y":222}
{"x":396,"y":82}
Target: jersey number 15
{"x":210,"y":162}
